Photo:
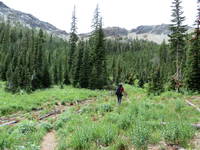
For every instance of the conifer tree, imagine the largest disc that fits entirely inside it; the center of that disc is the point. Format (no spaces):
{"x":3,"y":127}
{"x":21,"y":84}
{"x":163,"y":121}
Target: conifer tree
{"x":177,"y":42}
{"x":73,"y":40}
{"x":114,"y":70}
{"x":38,"y":61}
{"x":61,"y":73}
{"x":193,"y":63}
{"x":99,"y":77}
{"x":85,"y":70}
{"x":78,"y":63}
{"x":155,"y":85}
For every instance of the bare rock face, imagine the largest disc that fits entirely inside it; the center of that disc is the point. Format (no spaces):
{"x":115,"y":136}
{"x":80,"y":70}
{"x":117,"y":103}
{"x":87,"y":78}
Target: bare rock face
{"x":154,"y":29}
{"x":155,"y":33}
{"x":16,"y":17}
{"x":2,"y":5}
{"x":115,"y":31}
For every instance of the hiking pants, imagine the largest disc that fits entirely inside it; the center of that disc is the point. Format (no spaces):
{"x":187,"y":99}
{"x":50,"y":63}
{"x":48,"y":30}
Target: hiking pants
{"x":119,"y":98}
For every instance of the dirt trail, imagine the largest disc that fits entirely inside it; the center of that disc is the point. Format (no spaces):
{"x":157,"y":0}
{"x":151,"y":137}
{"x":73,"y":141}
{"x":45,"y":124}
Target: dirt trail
{"x":196,"y":141}
{"x":49,"y":141}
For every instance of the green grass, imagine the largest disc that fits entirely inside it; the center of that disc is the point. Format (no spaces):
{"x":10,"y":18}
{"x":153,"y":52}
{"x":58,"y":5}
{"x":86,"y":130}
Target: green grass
{"x":104,"y":124}
{"x":12,"y":103}
{"x":136,"y":123}
{"x":25,"y":136}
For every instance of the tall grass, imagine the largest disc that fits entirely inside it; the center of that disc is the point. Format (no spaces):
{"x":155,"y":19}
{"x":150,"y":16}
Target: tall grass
{"x":11,"y":103}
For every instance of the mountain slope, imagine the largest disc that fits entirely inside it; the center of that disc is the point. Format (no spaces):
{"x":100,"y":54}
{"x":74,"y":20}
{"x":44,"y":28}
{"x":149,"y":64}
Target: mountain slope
{"x":28,"y":20}
{"x":155,"y":33}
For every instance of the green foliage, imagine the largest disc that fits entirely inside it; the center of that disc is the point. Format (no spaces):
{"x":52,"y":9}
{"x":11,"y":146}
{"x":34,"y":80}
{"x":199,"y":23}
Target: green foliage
{"x":28,"y":63}
{"x":26,"y":127}
{"x":61,"y":122}
{"x":107,"y":134}
{"x":140,"y":136}
{"x":156,"y":85}
{"x":193,"y":64}
{"x":124,"y":121}
{"x":81,"y":139}
{"x":26,"y":102}
{"x":46,"y":126}
{"x":99,"y":67}
{"x":177,"y":40}
{"x":106,"y":108}
{"x":178,"y":133}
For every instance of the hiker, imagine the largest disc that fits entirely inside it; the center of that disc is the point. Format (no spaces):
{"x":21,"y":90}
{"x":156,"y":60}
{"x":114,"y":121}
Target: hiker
{"x":119,"y":92}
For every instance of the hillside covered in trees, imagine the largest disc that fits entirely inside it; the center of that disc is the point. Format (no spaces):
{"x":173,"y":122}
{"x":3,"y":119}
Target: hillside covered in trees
{"x":32,"y":59}
{"x":58,"y":93}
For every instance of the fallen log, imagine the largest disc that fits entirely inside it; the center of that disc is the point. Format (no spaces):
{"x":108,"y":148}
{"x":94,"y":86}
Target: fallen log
{"x":50,"y":114}
{"x":197,"y":126}
{"x":9,"y":123}
{"x":191,"y":104}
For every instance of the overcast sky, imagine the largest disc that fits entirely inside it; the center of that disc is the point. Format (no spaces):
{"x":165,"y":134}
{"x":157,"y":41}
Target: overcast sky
{"x":123,"y":13}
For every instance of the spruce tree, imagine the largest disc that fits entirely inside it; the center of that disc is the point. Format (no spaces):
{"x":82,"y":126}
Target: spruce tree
{"x":78,"y":63}
{"x":99,"y":77}
{"x":73,"y":40}
{"x":156,"y":84}
{"x":193,"y":63}
{"x":177,"y":42}
{"x":85,"y":70}
{"x":38,"y":61}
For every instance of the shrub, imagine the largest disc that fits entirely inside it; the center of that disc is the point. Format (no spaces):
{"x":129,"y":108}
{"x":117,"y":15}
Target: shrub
{"x":178,"y":133}
{"x":46,"y":126}
{"x":113,"y":118}
{"x":124,"y":121}
{"x":81,"y":138}
{"x":120,"y":145}
{"x":179,"y":105}
{"x":62,"y":145}
{"x":107,"y":134}
{"x":140,"y":136}
{"x":105,"y":108}
{"x":26,"y":127}
{"x":61,"y":122}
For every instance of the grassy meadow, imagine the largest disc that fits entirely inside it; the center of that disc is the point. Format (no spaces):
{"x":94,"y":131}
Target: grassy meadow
{"x":12,"y":103}
{"x":101,"y":124}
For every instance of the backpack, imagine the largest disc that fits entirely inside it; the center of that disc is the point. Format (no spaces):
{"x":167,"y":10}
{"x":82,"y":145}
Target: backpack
{"x":118,"y":91}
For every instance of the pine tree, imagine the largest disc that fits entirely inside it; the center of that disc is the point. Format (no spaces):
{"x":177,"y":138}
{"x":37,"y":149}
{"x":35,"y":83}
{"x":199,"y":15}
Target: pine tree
{"x":114,"y":70}
{"x":155,"y":85}
{"x":193,"y":71}
{"x":73,"y":40}
{"x":85,"y":70}
{"x":78,"y":63}
{"x":38,"y":61}
{"x":99,"y":77}
{"x":177,"y":42}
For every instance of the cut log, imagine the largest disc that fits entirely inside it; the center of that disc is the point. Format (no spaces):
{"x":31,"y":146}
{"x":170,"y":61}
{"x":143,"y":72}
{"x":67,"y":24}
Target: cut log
{"x":9,"y":123}
{"x":197,"y":126}
{"x":189,"y":103}
{"x":50,"y":114}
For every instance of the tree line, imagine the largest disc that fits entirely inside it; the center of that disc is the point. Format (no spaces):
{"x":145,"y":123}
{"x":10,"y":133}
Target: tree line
{"x":31,"y":59}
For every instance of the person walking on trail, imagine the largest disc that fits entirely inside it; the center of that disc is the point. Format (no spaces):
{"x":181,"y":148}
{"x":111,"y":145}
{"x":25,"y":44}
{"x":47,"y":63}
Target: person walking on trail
{"x":119,"y":93}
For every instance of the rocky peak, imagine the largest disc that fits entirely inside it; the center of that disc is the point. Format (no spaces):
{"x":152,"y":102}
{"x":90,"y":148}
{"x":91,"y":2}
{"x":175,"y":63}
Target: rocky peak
{"x":2,"y":5}
{"x":28,"y":20}
{"x":115,"y":31}
{"x":153,"y":29}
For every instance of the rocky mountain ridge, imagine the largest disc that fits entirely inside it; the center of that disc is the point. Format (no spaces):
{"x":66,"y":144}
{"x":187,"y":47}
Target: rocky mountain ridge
{"x":28,"y":20}
{"x":155,"y":33}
